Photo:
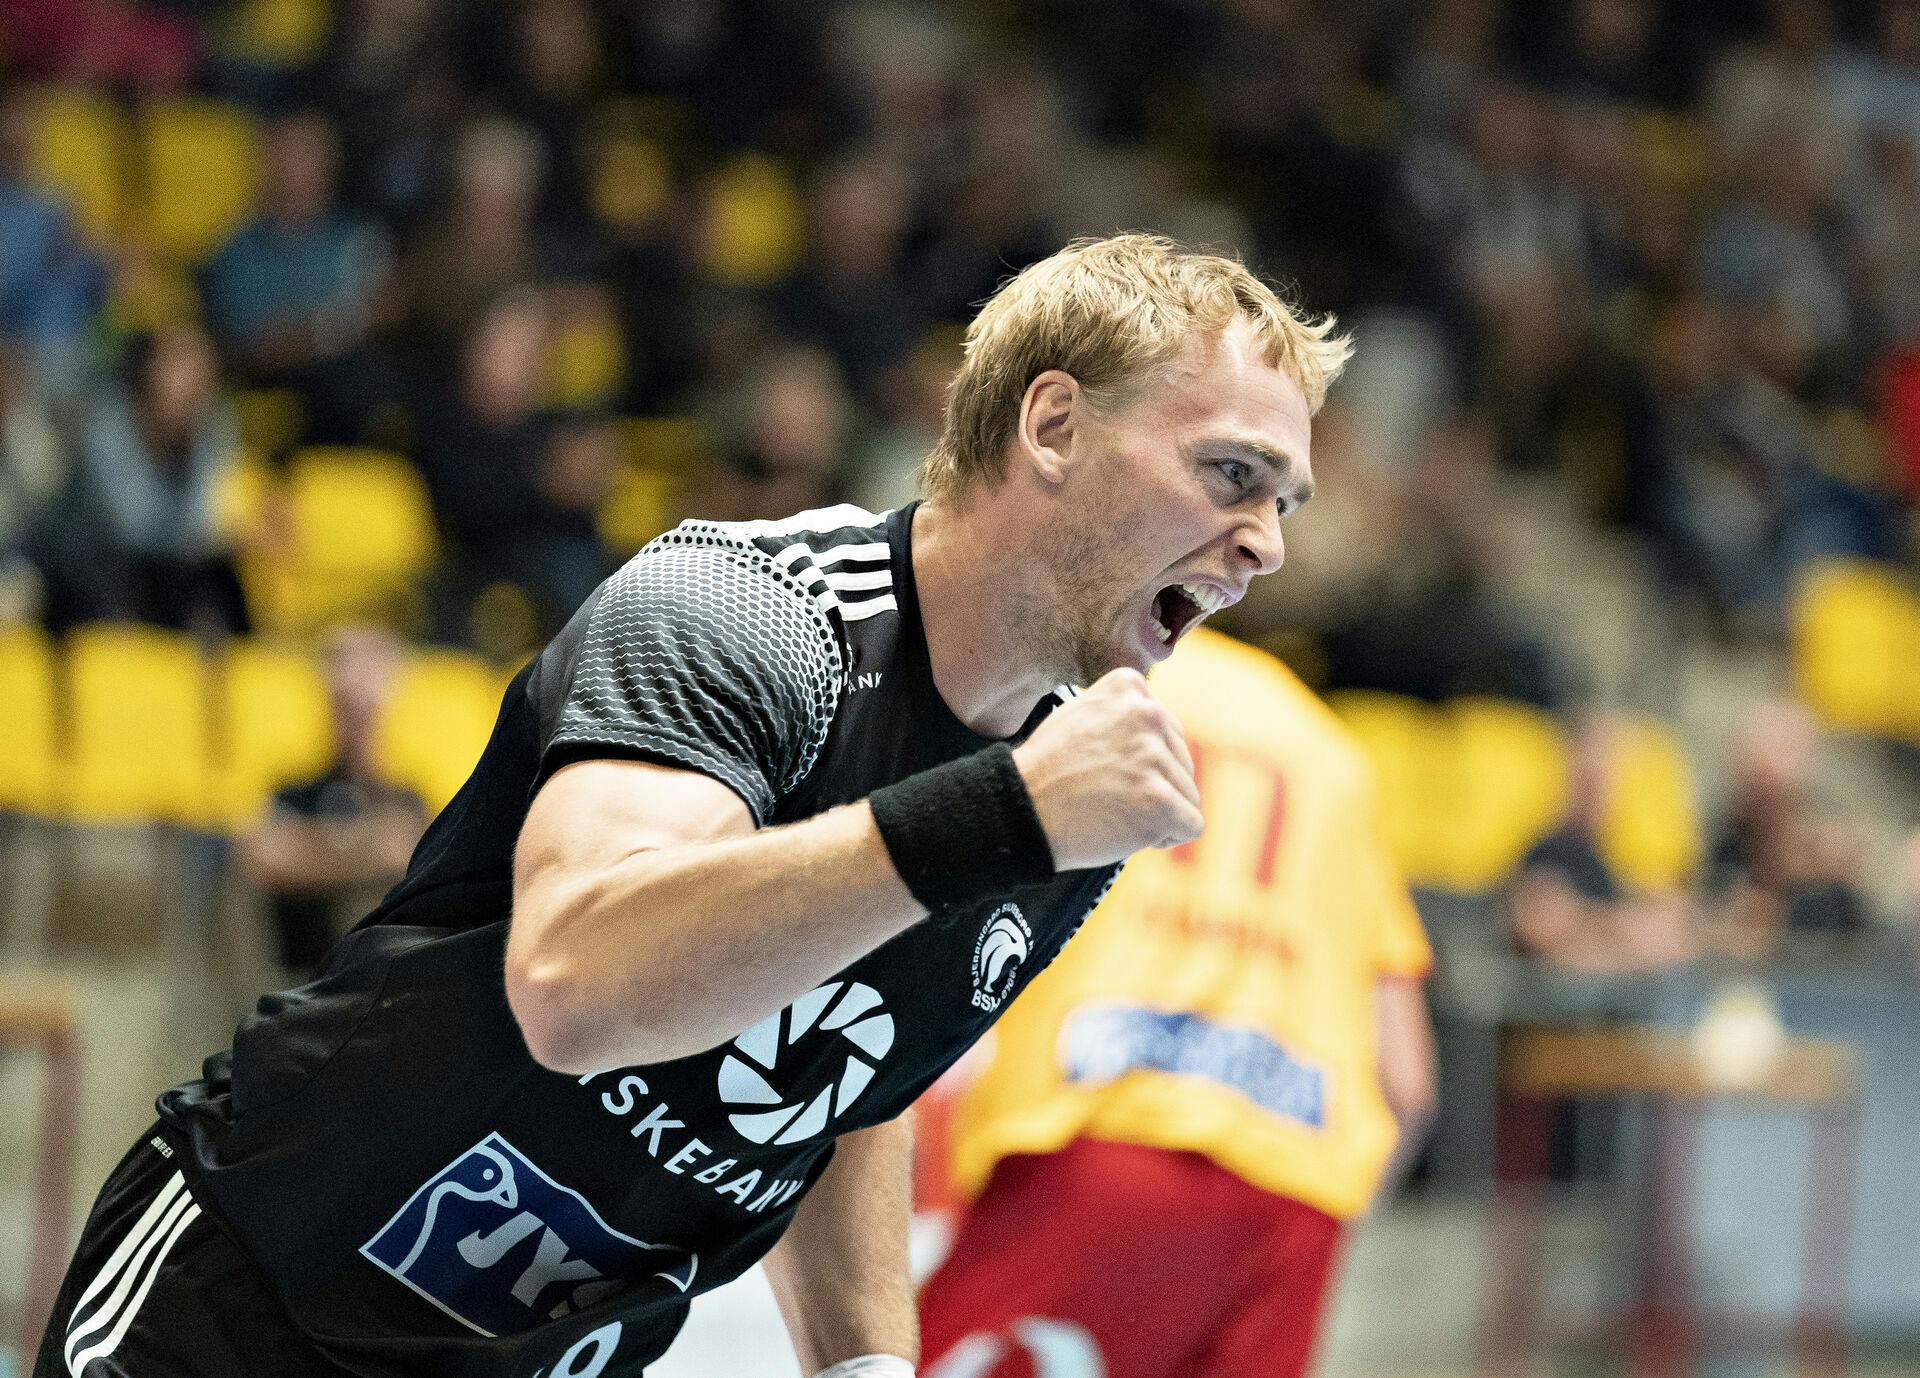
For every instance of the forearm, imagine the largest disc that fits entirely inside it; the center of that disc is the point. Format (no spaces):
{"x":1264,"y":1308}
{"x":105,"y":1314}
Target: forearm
{"x":840,"y":1272}
{"x":623,"y":971}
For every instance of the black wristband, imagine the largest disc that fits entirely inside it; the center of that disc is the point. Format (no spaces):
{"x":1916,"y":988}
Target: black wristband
{"x":963,"y":831}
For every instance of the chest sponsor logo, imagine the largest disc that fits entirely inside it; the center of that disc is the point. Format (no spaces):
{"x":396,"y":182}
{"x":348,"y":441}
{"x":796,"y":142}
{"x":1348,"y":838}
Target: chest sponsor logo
{"x":1101,"y":1043}
{"x":500,"y":1246}
{"x":998,"y":954}
{"x":769,"y":1108}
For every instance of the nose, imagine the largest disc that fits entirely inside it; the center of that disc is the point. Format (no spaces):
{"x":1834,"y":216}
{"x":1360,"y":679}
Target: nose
{"x":1260,"y":543}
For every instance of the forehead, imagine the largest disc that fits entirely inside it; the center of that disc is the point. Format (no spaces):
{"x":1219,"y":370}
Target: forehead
{"x":1222,"y":389}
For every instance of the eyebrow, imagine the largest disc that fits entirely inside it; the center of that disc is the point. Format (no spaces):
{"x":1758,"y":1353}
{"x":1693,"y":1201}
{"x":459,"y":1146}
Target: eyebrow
{"x":1282,"y":465}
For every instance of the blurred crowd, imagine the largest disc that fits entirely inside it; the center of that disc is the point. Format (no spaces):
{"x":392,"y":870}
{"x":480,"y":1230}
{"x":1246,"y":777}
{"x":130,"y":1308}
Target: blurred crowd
{"x":1658,"y":259}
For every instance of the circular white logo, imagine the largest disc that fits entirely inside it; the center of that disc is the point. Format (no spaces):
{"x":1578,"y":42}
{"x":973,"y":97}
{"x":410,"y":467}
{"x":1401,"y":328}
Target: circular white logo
{"x":852,"y":1011}
{"x":1002,"y":946}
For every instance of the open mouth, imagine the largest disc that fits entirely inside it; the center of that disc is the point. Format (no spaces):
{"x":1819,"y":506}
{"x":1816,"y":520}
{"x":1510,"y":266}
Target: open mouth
{"x":1178,"y":606}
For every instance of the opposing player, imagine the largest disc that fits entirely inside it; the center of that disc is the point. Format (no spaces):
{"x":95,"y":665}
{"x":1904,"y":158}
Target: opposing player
{"x":1180,"y":1113}
{"x":712,"y":909}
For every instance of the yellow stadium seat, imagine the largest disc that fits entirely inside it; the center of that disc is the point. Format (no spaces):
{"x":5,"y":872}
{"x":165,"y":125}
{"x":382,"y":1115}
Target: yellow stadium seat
{"x":1505,"y":785}
{"x":1856,"y":641}
{"x":280,"y":34}
{"x":80,"y":150}
{"x":1398,"y":735}
{"x":435,"y":723}
{"x":272,"y":420}
{"x":362,"y":536}
{"x":202,"y":174}
{"x":137,"y":717}
{"x":275,"y":726}
{"x":670,"y":444}
{"x":27,"y":764}
{"x":586,"y":361}
{"x":1650,"y":830}
{"x":756,"y":229}
{"x":629,"y":180}
{"x":640,"y":507}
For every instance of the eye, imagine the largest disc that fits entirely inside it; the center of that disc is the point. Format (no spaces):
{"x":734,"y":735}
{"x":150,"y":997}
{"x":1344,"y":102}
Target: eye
{"x":1238,"y":471}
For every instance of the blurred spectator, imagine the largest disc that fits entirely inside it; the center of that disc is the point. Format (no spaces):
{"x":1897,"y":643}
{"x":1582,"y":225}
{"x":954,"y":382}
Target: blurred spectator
{"x":1780,"y":863}
{"x":1567,"y":908}
{"x":51,"y":285}
{"x":117,"y":44}
{"x":790,"y":431}
{"x":327,"y":847}
{"x":1785,"y":80}
{"x":1774,"y":249}
{"x":847,"y":298}
{"x":33,"y":478}
{"x":483,"y":241}
{"x":390,"y":85}
{"x":513,"y":493}
{"x":548,"y":75}
{"x":885,"y":472}
{"x":145,"y":541}
{"x":296,"y":294}
{"x":1432,"y":622}
{"x":1724,"y":461}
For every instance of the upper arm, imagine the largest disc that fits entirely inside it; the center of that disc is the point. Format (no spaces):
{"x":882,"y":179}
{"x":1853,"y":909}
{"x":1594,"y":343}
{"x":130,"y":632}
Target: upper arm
{"x":594,"y":814}
{"x":701,"y":692}
{"x":1403,"y":1036}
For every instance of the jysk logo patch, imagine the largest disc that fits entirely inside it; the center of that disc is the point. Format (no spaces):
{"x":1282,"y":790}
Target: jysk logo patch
{"x":500,"y":1246}
{"x":1003,"y":945}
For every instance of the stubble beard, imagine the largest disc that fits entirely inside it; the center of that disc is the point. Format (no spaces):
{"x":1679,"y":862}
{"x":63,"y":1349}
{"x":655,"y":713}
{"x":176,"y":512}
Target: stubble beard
{"x":1071,"y":629}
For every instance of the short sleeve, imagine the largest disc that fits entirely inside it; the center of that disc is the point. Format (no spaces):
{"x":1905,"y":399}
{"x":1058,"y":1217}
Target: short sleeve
{"x":1401,"y":948}
{"x":709,"y":657}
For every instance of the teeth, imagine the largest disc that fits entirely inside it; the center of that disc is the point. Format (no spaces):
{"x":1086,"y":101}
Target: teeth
{"x":1205,"y":597}
{"x":1166,"y":636}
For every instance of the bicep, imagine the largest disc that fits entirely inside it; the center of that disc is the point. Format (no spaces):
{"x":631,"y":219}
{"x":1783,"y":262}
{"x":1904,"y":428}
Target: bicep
{"x":592,"y":815}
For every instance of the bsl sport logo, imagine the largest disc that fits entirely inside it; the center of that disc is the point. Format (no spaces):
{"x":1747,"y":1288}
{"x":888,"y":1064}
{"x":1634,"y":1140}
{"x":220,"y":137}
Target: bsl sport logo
{"x":500,"y":1246}
{"x":1003,"y":944}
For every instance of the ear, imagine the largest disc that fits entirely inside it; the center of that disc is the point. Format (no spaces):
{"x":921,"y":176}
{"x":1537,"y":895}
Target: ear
{"x":1053,"y":416}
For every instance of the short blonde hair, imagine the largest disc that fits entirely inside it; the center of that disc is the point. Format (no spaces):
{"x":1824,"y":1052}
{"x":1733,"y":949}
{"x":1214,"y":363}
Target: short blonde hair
{"x":1112,"y":313}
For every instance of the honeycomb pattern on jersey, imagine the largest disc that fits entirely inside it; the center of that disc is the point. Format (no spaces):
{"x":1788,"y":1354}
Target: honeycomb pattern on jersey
{"x":702,"y":650}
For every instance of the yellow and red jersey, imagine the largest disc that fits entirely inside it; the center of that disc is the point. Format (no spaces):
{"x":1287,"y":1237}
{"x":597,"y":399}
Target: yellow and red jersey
{"x":1221,"y":999}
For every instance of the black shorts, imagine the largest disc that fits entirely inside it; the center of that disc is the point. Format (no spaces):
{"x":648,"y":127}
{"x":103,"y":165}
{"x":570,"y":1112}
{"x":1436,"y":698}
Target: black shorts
{"x":158,"y":1290}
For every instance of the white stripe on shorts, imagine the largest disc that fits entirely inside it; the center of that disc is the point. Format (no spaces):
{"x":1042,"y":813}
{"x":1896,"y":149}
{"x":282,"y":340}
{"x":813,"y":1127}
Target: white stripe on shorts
{"x":132,"y":1268}
{"x":112,"y":1342}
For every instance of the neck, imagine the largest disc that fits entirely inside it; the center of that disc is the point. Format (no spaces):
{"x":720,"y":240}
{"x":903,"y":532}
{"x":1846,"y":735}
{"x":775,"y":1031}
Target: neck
{"x":978,"y":636}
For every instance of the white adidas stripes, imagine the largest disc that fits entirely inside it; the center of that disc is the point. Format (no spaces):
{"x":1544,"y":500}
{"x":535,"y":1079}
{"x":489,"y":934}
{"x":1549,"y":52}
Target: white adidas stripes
{"x":98,"y":1324}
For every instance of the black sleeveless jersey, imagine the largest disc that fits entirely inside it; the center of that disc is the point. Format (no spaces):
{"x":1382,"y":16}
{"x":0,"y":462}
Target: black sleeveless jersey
{"x":428,"y":1199}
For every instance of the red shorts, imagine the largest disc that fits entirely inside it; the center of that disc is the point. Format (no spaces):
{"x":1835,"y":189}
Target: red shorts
{"x":1113,"y":1260}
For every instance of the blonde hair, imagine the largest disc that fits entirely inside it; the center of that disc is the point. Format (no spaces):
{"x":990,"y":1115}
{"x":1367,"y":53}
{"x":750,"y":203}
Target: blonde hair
{"x":1112,"y":313}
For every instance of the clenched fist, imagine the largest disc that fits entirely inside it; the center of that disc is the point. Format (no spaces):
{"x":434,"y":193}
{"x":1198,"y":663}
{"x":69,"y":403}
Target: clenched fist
{"x":1109,"y":774}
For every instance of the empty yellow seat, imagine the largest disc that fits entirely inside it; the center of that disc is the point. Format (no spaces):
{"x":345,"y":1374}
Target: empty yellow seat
{"x":756,"y":228}
{"x":1398,"y":735}
{"x":586,"y":360}
{"x":275,"y":726}
{"x":201,"y":160}
{"x":641,"y":506}
{"x":281,"y":34}
{"x":27,"y":763}
{"x":1505,"y":785}
{"x":80,"y":151}
{"x":1650,"y":830}
{"x":137,"y":719}
{"x":435,"y":723}
{"x":362,"y":536}
{"x":669,"y":444}
{"x":1856,"y":643}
